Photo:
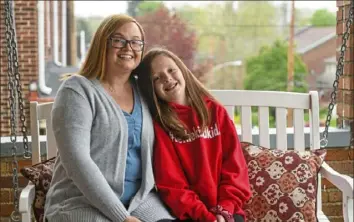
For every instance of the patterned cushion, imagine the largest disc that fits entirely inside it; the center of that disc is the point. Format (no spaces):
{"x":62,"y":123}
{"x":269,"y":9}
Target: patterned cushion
{"x":283,"y":183}
{"x":41,"y":176}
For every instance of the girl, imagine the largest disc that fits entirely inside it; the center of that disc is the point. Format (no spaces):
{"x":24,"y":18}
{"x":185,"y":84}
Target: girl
{"x":199,"y":167}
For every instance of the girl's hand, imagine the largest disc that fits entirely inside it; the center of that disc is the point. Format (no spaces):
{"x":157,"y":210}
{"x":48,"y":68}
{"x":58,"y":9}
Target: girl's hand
{"x":220,"y":218}
{"x":132,"y":219}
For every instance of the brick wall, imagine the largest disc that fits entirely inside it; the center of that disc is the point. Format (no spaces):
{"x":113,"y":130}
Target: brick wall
{"x":26,"y":31}
{"x":341,"y":160}
{"x":27,"y":40}
{"x":314,"y":59}
{"x":345,"y":109}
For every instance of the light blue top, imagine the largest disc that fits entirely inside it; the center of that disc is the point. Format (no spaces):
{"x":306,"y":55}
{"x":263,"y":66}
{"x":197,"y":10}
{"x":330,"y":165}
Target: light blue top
{"x":132,"y":180}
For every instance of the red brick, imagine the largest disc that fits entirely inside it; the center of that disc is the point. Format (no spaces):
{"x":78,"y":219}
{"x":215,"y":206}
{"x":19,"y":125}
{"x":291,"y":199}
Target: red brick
{"x":342,"y":3}
{"x":336,"y":219}
{"x":343,"y":14}
{"x":349,"y":52}
{"x":346,"y":83}
{"x":348,"y":68}
{"x":345,"y":96}
{"x":339,"y":14}
{"x":24,"y":163}
{"x":6,"y":209}
{"x":341,"y":27}
{"x":332,"y":209}
{"x":344,"y":167}
{"x":326,"y":184}
{"x":324,"y":196}
{"x":347,"y":110}
{"x":339,"y":154}
{"x":6,"y":196}
{"x":334,"y":196}
{"x":6,"y":182}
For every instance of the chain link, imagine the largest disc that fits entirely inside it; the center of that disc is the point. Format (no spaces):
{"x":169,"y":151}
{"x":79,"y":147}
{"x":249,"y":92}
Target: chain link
{"x":339,"y":73}
{"x":27,"y":153}
{"x":14,"y":83}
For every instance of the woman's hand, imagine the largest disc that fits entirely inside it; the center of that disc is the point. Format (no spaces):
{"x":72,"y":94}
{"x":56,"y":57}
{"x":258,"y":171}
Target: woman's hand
{"x":219,"y":218}
{"x":132,"y":219}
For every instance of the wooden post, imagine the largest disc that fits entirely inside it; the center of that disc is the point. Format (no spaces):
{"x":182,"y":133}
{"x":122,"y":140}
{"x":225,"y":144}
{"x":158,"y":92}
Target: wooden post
{"x":290,"y":84}
{"x":71,"y":34}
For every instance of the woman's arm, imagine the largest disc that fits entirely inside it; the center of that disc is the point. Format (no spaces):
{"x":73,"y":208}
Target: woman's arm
{"x":172,"y":184}
{"x":72,"y":121}
{"x":234,"y":188}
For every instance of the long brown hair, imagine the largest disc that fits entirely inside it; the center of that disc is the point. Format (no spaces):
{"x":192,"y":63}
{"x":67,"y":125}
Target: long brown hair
{"x":195,"y":93}
{"x":94,"y":65}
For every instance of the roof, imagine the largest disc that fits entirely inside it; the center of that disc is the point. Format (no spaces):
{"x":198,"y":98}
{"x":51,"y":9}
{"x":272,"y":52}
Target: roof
{"x":311,"y":37}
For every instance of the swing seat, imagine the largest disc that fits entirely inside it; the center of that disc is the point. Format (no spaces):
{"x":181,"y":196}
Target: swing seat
{"x":245,"y":99}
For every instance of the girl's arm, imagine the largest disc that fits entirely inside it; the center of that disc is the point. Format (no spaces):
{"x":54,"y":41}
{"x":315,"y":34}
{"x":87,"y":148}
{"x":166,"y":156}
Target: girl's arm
{"x":234,"y":188}
{"x":72,"y":120}
{"x":172,"y":184}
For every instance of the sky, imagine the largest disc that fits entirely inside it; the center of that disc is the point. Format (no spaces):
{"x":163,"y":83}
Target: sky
{"x":105,"y":8}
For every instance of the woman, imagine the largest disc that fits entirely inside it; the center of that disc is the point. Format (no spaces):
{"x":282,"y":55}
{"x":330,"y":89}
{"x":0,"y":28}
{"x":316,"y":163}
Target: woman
{"x":104,"y":135}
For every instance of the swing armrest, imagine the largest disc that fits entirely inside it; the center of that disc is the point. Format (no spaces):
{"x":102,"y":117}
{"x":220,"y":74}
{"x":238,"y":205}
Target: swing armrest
{"x":343,"y":182}
{"x":26,"y":198}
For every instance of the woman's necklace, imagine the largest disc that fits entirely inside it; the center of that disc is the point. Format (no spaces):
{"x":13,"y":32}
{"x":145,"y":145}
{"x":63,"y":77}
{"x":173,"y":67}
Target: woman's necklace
{"x":110,"y":88}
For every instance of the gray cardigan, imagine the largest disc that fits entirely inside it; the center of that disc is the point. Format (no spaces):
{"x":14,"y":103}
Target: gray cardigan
{"x":91,"y":135}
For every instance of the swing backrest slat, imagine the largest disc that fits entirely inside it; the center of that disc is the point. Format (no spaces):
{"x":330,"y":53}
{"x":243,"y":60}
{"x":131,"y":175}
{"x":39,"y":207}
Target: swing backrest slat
{"x":263,"y":101}
{"x":42,"y":112}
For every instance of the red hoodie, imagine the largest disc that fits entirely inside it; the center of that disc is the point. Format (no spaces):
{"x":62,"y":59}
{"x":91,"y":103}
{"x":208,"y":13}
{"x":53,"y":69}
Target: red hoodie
{"x":194,"y":175}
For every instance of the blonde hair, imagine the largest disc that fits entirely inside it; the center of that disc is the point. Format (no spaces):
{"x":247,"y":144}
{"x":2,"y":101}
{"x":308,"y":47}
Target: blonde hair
{"x":195,"y":93}
{"x":94,"y":65}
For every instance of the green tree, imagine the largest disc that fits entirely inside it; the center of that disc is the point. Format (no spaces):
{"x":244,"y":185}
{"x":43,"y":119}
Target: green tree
{"x":133,"y":7}
{"x":168,"y":30}
{"x":228,"y":33}
{"x":256,"y":26}
{"x":268,"y":70}
{"x":323,"y":17}
{"x":145,"y":7}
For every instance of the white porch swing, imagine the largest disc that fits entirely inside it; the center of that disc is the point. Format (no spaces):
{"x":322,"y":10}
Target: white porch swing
{"x":245,"y":99}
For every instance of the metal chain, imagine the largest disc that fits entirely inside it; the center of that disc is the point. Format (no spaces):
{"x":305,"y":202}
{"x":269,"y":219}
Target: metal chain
{"x":27,"y":153}
{"x":14,"y":82}
{"x":339,"y":73}
{"x":15,"y":215}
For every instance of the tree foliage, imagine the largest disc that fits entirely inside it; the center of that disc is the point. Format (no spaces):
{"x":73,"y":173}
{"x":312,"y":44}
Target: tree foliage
{"x":268,"y":70}
{"x":166,"y":29}
{"x":227,"y":33}
{"x":146,"y":7}
{"x":132,"y":8}
{"x":323,"y":17}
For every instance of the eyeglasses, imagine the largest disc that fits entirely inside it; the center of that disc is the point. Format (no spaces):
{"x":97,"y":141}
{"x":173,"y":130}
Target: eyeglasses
{"x":136,"y":45}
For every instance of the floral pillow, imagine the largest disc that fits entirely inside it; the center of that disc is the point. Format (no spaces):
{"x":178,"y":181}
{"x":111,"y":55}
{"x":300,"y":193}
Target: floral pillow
{"x":41,"y":176}
{"x":283,"y":183}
